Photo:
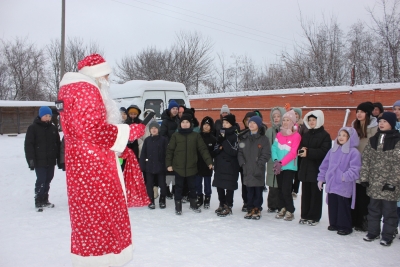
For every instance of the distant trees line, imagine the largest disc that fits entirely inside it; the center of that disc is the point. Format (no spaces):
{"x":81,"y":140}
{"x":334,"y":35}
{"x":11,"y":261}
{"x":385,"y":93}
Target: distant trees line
{"x":325,"y":57}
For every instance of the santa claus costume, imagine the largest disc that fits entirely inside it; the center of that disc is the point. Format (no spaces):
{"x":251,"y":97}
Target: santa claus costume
{"x":101,"y":231}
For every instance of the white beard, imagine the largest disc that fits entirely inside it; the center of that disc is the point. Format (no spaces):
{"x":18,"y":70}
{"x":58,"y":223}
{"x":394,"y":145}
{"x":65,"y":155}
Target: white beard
{"x":112,"y":111}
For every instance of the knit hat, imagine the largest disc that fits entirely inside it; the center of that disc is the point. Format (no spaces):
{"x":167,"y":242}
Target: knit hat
{"x":134,"y":109}
{"x":225,"y":108}
{"x":230,"y":118}
{"x":187,"y":116}
{"x":172,"y":104}
{"x":367,"y":107}
{"x":390,"y":117}
{"x":298,"y":111}
{"x":257,"y":120}
{"x":397,"y":103}
{"x":209,"y":121}
{"x":291,"y":115}
{"x":94,"y":66}
{"x":258,"y":113}
{"x":380,"y":106}
{"x":45,"y":111}
{"x":154,"y":124}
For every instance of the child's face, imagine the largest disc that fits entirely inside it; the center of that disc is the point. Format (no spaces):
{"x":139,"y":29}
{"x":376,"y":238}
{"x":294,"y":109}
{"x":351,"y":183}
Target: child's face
{"x":297,"y":116}
{"x":226,"y":124}
{"x":312,"y":122}
{"x":376,"y":111}
{"x":124,"y":116}
{"x":384,"y":125}
{"x":253,"y":126}
{"x":276,"y":118}
{"x":286,"y":122}
{"x":206,"y":128}
{"x":342,"y":137}
{"x":360,"y":115}
{"x":154,"y":131}
{"x":396,"y":110}
{"x":185,"y":124}
{"x":246,"y":122}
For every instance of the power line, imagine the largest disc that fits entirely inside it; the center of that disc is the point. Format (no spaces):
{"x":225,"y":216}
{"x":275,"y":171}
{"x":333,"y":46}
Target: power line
{"x":195,"y":23}
{"x":222,"y":20}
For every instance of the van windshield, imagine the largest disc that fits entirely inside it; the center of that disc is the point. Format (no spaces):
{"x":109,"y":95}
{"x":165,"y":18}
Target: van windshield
{"x":180,"y":102}
{"x":155,"y":104}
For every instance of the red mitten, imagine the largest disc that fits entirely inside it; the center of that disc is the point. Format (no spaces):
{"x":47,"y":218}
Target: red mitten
{"x":137,"y":131}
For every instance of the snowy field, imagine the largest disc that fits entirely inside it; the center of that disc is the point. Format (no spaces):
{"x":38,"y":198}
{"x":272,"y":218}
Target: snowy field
{"x":161,"y":238}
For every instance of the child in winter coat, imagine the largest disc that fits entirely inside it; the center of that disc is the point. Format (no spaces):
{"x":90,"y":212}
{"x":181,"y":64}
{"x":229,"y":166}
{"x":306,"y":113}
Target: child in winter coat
{"x":339,"y":170}
{"x":284,"y":155}
{"x":182,"y":159}
{"x":226,"y":170}
{"x":273,"y":195}
{"x":152,"y":162}
{"x":207,"y":125}
{"x":254,"y":152}
{"x":380,"y":173}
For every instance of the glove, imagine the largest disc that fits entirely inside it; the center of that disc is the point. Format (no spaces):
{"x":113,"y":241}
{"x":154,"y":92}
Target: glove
{"x":365,"y":184}
{"x":31,"y":164}
{"x":61,"y":166}
{"x":320,"y":183}
{"x":277,"y":167}
{"x":220,"y":139}
{"x":136,"y":131}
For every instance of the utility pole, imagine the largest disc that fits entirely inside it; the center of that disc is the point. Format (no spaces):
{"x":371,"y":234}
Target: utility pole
{"x":62,"y":61}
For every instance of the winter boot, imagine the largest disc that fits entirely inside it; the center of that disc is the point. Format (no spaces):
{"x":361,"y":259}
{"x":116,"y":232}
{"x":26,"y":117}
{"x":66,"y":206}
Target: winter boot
{"x":207,"y":202}
{"x":38,"y":202}
{"x":151,"y":205}
{"x":193,"y":205}
{"x":288,"y":216}
{"x":385,"y":242}
{"x":169,"y":194}
{"x":272,"y":210}
{"x":370,"y":237}
{"x":303,"y":221}
{"x":200,"y":200}
{"x":225,"y":212}
{"x":46,"y":202}
{"x":220,"y":209}
{"x":244,"y":208}
{"x":281,"y":214}
{"x":162,"y":202}
{"x":256,"y":214}
{"x":249,"y":214}
{"x":178,"y":207}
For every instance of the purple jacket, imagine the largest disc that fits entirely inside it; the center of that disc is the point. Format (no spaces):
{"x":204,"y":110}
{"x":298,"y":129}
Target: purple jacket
{"x":341,"y":167}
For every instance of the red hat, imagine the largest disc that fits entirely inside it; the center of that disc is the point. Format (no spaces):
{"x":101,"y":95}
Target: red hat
{"x":94,"y":66}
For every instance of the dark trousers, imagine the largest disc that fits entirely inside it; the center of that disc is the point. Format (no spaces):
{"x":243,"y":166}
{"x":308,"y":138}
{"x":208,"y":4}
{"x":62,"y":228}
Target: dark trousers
{"x":179,"y":184}
{"x":225,"y":197}
{"x":185,"y":189}
{"x":311,"y":201}
{"x":44,"y":175}
{"x":296,"y":183}
{"x":207,"y":185}
{"x":273,"y":198}
{"x":360,"y":211}
{"x":398,"y":215}
{"x":378,"y":208}
{"x":244,"y":188}
{"x":254,"y":197}
{"x":339,"y":212}
{"x":285,"y":182}
{"x":150,"y":179}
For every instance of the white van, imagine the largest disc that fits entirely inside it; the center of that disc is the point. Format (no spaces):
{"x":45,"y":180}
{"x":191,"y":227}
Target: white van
{"x":154,"y":95}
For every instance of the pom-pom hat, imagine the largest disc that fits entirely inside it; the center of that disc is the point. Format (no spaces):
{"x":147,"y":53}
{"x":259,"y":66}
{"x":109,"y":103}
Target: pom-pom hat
{"x":94,"y":66}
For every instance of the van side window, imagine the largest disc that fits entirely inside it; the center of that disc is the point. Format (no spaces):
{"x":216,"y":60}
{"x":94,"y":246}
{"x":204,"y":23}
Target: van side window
{"x":179,"y":101}
{"x":155,"y":104}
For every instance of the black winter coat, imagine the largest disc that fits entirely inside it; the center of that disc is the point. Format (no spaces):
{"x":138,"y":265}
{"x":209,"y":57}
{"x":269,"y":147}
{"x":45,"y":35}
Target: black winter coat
{"x":152,"y":157}
{"x":210,"y":142}
{"x":226,"y":165}
{"x":218,"y":127}
{"x":42,"y":143}
{"x":318,"y":143}
{"x":169,"y":125}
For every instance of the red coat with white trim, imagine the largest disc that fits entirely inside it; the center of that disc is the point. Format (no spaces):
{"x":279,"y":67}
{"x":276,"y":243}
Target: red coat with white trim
{"x":101,"y":231}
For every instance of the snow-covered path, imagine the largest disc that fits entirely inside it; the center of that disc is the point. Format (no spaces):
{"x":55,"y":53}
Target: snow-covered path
{"x":161,"y":238}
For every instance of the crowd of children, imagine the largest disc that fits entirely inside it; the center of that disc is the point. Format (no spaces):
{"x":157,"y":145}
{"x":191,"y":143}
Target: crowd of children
{"x":360,"y":168}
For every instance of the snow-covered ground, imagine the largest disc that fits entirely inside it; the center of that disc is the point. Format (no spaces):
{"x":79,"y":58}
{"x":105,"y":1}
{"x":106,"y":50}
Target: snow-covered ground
{"x":161,"y":238}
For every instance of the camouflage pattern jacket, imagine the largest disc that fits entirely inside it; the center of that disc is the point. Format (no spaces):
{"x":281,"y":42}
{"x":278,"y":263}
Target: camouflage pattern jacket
{"x":381,"y":166}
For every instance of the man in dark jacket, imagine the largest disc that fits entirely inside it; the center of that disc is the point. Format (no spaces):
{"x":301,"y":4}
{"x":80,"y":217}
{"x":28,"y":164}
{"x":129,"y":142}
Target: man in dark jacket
{"x":42,"y":151}
{"x":170,"y":120}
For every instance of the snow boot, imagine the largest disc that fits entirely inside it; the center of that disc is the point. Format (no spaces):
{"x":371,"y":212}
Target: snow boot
{"x":178,"y":207}
{"x":370,"y":237}
{"x":220,"y":209}
{"x":162,"y":202}
{"x":200,"y":200}
{"x":303,"y":221}
{"x":272,"y":210}
{"x":46,"y":202}
{"x":249,"y":214}
{"x":244,"y":208}
{"x":281,"y":214}
{"x":288,"y":216}
{"x":256,"y":214}
{"x":312,"y":223}
{"x":207,"y":202}
{"x":39,"y":203}
{"x":193,"y":205}
{"x":385,"y":242}
{"x":225,"y":212}
{"x":151,"y":205}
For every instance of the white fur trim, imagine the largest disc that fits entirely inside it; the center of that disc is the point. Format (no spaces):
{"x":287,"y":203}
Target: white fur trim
{"x":122,"y":138}
{"x":120,"y":259}
{"x":75,"y":77}
{"x":320,"y":118}
{"x":96,"y":71}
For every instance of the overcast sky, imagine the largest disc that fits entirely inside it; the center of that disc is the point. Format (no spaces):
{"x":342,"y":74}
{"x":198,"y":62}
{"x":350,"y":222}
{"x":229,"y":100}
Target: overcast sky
{"x":258,"y":28}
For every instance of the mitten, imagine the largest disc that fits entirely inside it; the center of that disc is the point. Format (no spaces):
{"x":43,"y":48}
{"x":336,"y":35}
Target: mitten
{"x":136,"y":131}
{"x":365,"y":184}
{"x":31,"y":164}
{"x":277,"y":167}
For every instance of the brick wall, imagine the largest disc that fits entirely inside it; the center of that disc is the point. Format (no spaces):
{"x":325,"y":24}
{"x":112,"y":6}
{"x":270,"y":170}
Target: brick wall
{"x":333,"y":105}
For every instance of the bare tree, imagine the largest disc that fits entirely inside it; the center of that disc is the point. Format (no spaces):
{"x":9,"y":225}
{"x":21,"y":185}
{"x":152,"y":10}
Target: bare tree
{"x":388,"y":29}
{"x":25,"y":70}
